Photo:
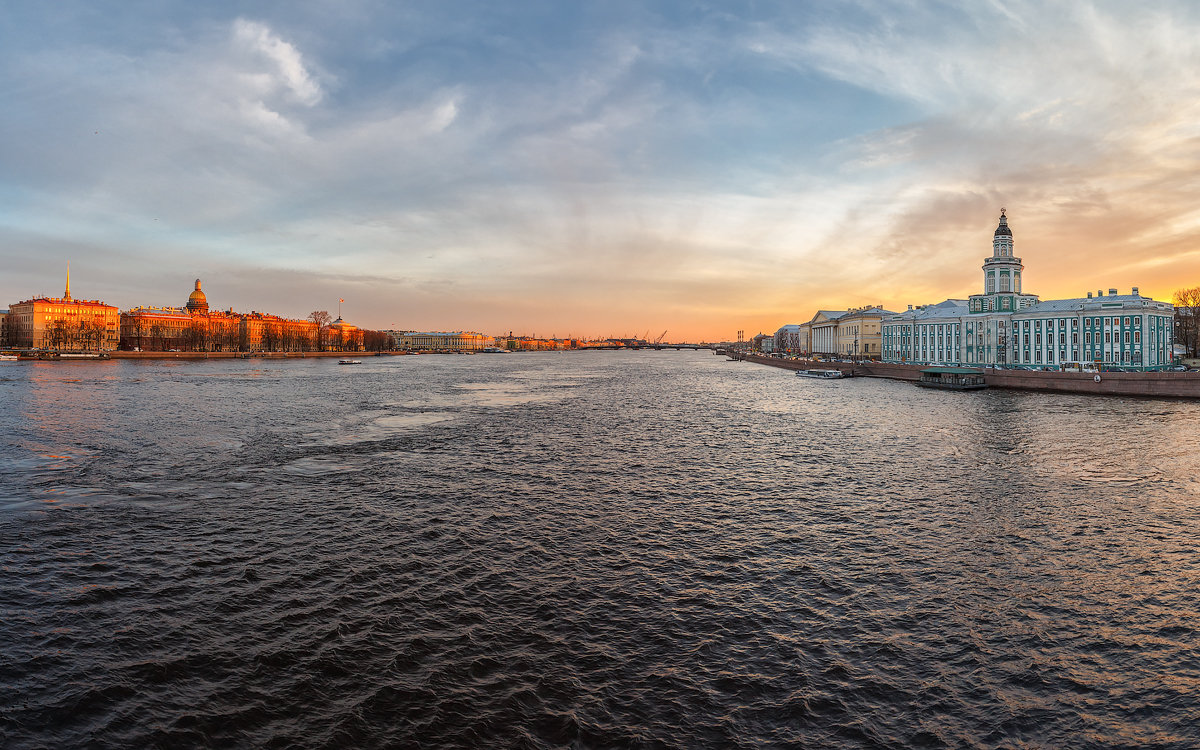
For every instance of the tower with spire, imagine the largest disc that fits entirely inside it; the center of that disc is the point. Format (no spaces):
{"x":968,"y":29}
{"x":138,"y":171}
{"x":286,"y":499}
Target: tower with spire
{"x":1001,"y":276}
{"x":67,"y":293}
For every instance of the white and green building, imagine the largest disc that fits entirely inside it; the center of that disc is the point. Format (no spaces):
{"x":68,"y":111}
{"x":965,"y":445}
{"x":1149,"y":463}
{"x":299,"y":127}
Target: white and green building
{"x":1005,"y":327}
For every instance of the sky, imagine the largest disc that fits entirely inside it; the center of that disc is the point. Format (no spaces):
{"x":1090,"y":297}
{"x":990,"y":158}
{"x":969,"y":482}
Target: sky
{"x":594,"y":169}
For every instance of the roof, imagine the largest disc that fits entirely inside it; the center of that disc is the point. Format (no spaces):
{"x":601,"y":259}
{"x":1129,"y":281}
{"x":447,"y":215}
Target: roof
{"x":867,"y":311}
{"x":951,"y":308}
{"x":1093,"y":303}
{"x":1002,"y":228}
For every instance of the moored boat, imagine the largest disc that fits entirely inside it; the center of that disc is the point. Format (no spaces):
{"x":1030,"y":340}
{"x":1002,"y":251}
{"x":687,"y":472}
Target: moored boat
{"x":952,"y":378}
{"x":349,"y":361}
{"x":821,"y":374}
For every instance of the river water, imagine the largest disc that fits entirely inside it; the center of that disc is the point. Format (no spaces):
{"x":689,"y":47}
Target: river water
{"x":588,"y":549}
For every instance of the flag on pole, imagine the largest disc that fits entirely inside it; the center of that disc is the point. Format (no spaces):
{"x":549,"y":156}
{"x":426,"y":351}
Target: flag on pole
{"x":340,"y":300}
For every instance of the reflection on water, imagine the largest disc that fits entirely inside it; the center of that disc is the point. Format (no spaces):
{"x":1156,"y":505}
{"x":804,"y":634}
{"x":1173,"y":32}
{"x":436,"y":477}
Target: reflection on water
{"x":591,"y":549}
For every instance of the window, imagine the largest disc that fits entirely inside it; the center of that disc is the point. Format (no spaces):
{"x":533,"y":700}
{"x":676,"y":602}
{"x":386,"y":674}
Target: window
{"x":1137,"y":337}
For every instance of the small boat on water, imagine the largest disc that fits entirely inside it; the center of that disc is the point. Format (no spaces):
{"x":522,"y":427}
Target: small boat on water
{"x":821,"y":374}
{"x":349,"y":361}
{"x":8,"y":358}
{"x":952,"y":378}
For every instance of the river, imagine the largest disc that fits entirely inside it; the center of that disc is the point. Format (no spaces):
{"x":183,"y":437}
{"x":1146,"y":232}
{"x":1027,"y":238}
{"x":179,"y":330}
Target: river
{"x":588,"y":549}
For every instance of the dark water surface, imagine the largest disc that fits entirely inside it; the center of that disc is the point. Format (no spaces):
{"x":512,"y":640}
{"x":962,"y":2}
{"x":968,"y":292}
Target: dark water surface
{"x":588,"y":550}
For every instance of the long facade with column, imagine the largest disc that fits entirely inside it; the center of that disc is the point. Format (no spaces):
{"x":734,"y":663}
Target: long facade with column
{"x":459,"y":341}
{"x":196,"y":327}
{"x":1003,"y":326}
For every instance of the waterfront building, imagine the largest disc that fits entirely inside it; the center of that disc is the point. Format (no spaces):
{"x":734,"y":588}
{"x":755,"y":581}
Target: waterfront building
{"x":1004,"y":326}
{"x":859,"y":331}
{"x":4,"y":331}
{"x":196,"y":327}
{"x":787,"y":339}
{"x":456,"y":341}
{"x":345,"y":336}
{"x":63,"y":323}
{"x":805,"y":337}
{"x":824,"y":331}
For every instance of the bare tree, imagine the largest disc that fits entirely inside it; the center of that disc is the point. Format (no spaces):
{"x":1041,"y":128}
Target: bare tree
{"x":1187,"y":319}
{"x":322,"y":318}
{"x":139,"y":330}
{"x":58,"y":334}
{"x":157,"y":335}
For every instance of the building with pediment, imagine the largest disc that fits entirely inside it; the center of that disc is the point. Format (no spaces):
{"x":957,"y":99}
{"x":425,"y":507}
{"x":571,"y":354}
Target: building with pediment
{"x":1004,"y":326}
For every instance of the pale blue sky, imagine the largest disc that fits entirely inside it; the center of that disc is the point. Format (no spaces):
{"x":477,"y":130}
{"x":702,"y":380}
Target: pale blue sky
{"x":592,"y":168}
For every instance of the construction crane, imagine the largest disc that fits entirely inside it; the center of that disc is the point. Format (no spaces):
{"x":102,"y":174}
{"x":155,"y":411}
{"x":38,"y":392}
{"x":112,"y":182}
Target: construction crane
{"x":660,"y":338}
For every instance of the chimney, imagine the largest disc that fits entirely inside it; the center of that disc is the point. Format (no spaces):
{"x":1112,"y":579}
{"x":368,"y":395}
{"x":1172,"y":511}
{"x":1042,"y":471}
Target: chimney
{"x":1099,"y":292}
{"x":910,"y":308}
{"x":1135,"y":292}
{"x":1089,"y":295}
{"x":1112,"y":292}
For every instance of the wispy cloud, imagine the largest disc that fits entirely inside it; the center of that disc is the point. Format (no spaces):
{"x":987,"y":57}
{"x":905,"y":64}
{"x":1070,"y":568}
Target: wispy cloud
{"x":650,"y":161}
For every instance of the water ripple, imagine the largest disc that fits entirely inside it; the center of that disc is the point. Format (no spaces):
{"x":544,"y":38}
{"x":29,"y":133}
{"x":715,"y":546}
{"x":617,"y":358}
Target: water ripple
{"x":589,"y":550}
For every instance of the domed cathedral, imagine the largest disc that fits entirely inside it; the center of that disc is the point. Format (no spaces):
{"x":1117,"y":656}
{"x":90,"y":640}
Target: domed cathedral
{"x":1004,"y":327}
{"x":197,"y":302}
{"x":196,"y":327}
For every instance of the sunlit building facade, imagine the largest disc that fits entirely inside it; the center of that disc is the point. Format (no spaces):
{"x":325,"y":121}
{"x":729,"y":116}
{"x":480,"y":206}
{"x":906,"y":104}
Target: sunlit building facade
{"x":823,"y":336}
{"x":63,"y":323}
{"x":455,"y":341}
{"x":859,"y":332}
{"x":1006,"y":327}
{"x":196,"y":327}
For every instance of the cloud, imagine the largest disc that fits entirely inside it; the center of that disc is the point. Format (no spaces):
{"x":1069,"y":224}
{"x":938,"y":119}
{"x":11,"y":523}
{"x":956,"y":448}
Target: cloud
{"x":289,"y":70}
{"x":651,"y":161}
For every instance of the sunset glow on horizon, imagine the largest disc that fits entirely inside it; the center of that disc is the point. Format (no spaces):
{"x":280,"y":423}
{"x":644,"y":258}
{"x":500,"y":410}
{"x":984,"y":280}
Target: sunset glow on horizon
{"x":595,"y":170}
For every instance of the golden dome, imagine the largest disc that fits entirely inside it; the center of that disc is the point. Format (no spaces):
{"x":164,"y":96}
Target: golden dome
{"x":197,"y":302}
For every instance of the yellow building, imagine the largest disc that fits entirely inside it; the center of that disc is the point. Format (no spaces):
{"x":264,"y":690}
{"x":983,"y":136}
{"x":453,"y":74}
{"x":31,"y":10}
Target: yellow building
{"x":197,"y":328}
{"x":859,"y":332}
{"x":64,"y":323}
{"x":455,"y":341}
{"x":344,"y":337}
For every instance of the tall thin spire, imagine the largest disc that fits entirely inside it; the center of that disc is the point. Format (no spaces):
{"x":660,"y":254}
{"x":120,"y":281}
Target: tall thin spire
{"x":67,"y":294}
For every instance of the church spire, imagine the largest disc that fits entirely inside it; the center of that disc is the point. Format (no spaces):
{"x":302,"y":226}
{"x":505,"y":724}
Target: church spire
{"x":67,"y":293}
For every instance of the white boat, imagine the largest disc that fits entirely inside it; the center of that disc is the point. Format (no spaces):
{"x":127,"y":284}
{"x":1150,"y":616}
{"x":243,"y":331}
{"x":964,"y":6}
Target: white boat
{"x":349,"y":361}
{"x":820,"y":374}
{"x":8,"y":358}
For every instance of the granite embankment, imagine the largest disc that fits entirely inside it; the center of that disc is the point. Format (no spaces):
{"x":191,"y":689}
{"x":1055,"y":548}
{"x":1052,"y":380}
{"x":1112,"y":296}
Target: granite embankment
{"x":1160,"y":384}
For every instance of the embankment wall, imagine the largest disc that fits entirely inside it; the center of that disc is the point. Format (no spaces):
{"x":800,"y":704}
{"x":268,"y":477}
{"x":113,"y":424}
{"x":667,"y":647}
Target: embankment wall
{"x":1157,"y":384}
